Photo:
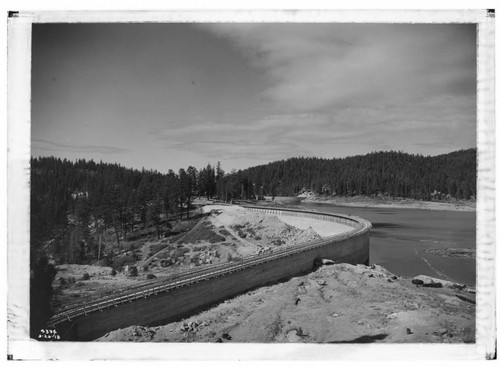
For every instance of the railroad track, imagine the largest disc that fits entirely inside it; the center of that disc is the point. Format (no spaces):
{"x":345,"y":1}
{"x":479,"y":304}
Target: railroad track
{"x":153,"y":288}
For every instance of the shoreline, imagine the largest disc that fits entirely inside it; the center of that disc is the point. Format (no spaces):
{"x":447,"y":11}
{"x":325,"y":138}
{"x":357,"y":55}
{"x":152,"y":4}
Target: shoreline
{"x":401,"y":203}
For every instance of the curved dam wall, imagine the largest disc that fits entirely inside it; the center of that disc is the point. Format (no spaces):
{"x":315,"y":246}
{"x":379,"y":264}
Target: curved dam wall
{"x":351,"y":221}
{"x":194,"y":294}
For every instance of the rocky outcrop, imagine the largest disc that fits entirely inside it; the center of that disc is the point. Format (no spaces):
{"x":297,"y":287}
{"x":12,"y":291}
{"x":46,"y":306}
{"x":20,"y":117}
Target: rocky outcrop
{"x":427,"y":281}
{"x":339,"y":303}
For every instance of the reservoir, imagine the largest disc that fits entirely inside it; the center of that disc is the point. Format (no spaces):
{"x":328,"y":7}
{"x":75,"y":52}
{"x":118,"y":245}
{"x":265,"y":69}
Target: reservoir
{"x":401,"y":239}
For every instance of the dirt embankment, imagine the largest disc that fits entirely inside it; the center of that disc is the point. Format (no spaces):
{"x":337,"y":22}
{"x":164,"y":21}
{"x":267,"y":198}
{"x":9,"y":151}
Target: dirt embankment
{"x":336,"y":304}
{"x":258,"y":232}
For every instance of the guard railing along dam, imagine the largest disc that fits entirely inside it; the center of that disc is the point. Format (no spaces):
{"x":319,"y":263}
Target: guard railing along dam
{"x":161,"y":301}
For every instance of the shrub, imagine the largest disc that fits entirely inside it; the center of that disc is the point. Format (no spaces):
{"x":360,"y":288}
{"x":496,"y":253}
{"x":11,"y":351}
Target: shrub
{"x":195,"y":259}
{"x":178,"y":252}
{"x":163,"y":255}
{"x":165,"y":263}
{"x":113,"y":272}
{"x":119,"y":262}
{"x":62,"y":281}
{"x":133,"y":272}
{"x":224,"y":232}
{"x":216,"y":238}
{"x":133,"y":245}
{"x":85,"y":276}
{"x":118,"y":267}
{"x":157,"y":247}
{"x":278,"y":242}
{"x":145,"y":268}
{"x":150,"y":276}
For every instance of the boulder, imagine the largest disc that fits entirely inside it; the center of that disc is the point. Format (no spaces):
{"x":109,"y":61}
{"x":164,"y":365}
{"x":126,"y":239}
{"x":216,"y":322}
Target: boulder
{"x":427,"y":281}
{"x":327,"y":262}
{"x":412,"y":305}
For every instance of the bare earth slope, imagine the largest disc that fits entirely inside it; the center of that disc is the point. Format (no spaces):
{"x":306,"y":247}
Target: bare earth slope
{"x":335,"y":304}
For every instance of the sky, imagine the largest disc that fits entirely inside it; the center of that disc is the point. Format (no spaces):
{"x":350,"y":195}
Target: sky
{"x":167,"y":96}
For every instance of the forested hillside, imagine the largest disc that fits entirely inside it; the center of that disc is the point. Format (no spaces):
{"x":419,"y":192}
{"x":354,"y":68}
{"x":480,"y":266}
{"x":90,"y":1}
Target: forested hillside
{"x":69,"y":200}
{"x":397,"y":174}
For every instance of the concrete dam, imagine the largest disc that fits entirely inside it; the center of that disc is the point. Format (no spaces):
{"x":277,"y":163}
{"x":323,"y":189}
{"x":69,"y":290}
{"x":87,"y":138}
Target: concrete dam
{"x":160,"y":301}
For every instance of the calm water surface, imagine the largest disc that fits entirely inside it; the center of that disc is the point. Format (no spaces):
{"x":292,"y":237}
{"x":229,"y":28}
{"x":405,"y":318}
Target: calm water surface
{"x":400,"y":237}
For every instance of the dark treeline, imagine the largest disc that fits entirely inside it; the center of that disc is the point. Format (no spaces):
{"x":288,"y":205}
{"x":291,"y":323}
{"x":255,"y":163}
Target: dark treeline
{"x":72,"y":201}
{"x":393,"y":174}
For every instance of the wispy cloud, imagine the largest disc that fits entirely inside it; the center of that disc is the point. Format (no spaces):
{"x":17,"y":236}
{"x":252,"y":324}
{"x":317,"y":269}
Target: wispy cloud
{"x":321,"y":66}
{"x":431,"y":123}
{"x":271,"y":137}
{"x":368,"y":86}
{"x":46,"y":145}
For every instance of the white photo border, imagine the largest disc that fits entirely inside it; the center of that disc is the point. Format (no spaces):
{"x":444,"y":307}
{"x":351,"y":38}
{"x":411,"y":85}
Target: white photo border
{"x":18,"y":199}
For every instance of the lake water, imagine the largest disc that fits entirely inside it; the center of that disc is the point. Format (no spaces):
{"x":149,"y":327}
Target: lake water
{"x":399,"y":238}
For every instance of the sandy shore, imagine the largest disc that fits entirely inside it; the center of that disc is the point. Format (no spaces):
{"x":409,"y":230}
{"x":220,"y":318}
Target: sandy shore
{"x":399,"y":203}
